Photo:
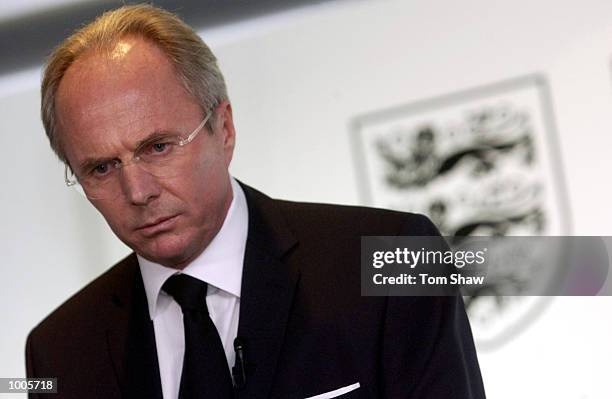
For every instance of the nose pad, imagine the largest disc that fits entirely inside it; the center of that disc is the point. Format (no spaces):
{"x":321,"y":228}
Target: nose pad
{"x":138,"y":185}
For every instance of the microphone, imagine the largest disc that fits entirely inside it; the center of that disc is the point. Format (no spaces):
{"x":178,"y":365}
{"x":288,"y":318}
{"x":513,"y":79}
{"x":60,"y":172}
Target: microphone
{"x":239,"y":369}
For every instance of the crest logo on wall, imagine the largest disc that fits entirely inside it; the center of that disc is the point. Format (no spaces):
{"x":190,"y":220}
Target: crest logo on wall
{"x":478,"y":163}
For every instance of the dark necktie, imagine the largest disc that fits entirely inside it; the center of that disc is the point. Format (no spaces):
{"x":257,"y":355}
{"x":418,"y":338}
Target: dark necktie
{"x":205,"y":370}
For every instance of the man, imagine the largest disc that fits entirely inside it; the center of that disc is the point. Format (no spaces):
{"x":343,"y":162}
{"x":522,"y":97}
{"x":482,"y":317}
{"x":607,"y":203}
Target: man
{"x":221,"y":275}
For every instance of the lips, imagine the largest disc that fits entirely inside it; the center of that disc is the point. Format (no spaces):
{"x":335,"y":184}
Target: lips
{"x":157,"y":226}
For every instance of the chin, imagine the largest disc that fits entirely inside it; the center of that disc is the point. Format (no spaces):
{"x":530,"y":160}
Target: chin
{"x":167,"y":252}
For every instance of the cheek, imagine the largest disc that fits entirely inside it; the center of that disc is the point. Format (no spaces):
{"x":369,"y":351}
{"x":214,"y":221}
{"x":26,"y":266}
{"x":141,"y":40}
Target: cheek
{"x":105,"y":209}
{"x":205,"y":193}
{"x":207,"y":177}
{"x":116,"y":216}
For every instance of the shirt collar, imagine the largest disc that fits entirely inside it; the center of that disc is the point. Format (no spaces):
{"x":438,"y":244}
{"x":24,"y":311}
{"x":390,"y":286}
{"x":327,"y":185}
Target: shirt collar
{"x":219,"y":265}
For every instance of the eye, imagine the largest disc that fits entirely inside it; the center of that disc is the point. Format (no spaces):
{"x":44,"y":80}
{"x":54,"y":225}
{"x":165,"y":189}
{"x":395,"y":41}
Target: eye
{"x":104,"y":169}
{"x":156,"y":150}
{"x":159,"y":147}
{"x":101,"y":169}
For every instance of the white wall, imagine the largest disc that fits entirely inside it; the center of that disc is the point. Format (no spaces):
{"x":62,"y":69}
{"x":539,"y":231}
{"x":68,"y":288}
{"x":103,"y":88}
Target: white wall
{"x":296,"y":79}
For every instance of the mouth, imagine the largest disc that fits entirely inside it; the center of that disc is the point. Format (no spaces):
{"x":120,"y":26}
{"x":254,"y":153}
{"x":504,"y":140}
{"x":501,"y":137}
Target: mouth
{"x":157,"y":226}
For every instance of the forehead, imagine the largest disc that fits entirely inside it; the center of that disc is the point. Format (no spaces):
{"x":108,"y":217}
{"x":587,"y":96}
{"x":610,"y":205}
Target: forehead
{"x":131,"y":89}
{"x":132,"y":67}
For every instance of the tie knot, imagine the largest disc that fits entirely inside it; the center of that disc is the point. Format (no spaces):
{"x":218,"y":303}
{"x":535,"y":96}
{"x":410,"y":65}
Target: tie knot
{"x":187,"y":291}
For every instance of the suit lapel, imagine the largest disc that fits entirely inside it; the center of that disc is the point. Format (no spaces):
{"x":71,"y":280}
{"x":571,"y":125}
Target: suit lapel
{"x":268,"y":287}
{"x":131,"y":337}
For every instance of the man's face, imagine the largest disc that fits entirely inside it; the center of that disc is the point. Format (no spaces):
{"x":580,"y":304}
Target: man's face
{"x":107,"y":104}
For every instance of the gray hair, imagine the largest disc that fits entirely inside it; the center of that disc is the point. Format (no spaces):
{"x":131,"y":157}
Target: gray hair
{"x":194,"y":63}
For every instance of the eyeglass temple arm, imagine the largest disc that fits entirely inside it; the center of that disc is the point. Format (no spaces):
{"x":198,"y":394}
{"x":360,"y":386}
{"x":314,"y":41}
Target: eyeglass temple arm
{"x":196,"y":131}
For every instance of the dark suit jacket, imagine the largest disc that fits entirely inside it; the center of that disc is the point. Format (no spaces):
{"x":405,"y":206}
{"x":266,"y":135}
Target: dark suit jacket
{"x":307,"y":330}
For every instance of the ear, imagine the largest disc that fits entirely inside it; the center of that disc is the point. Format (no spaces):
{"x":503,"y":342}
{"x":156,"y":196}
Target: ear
{"x":228,"y":132}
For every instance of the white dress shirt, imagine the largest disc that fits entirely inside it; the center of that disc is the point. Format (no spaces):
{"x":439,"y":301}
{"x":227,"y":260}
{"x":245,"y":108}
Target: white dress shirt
{"x":220,"y":265}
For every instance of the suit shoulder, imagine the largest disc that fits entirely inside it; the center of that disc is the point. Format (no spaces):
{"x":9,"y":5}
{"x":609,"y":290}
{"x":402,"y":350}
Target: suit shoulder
{"x":365,"y":220}
{"x":333,"y":218}
{"x":85,"y":305}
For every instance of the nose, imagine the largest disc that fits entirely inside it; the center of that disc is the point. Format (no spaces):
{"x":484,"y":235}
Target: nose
{"x":139,"y":186}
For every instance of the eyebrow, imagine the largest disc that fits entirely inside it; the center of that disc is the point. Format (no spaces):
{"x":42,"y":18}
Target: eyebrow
{"x":89,"y":163}
{"x":154,"y":136}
